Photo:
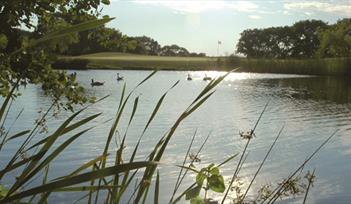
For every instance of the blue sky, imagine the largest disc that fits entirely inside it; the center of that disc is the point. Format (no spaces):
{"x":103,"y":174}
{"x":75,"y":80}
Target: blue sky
{"x":198,"y":24}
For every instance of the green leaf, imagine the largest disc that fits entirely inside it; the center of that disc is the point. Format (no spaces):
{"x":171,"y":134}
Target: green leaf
{"x":66,"y":31}
{"x":193,"y":193}
{"x":3,"y":41}
{"x":3,"y":191}
{"x":216,"y":183}
{"x":200,"y":177}
{"x":215,"y":171}
{"x":6,"y":101}
{"x":18,"y":134}
{"x":197,"y":200}
{"x":107,"y":2}
{"x":70,"y":30}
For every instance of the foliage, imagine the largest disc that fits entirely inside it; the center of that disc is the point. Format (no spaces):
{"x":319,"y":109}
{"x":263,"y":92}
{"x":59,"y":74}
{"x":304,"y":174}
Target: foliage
{"x":174,"y":50}
{"x":298,"y":41}
{"x":147,"y":45}
{"x":208,"y":178}
{"x":111,"y":40}
{"x":25,"y":60}
{"x":317,"y":66}
{"x":336,"y":40}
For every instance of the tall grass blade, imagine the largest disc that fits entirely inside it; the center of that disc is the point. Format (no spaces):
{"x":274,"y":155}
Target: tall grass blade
{"x":237,"y":169}
{"x":85,"y":166}
{"x":274,"y":196}
{"x":119,"y":153}
{"x":263,"y":161}
{"x":310,"y":181}
{"x":228,"y":160}
{"x":6,"y":101}
{"x":153,"y":114}
{"x":176,"y":200}
{"x":158,"y":105}
{"x":157,"y":188}
{"x":44,"y":196}
{"x":85,"y":188}
{"x":47,"y":161}
{"x":191,"y":163}
{"x":18,"y":135}
{"x":115,"y":123}
{"x":150,"y":171}
{"x":147,"y":78}
{"x":42,"y":152}
{"x":66,"y":31}
{"x":183,"y":164}
{"x":5,"y":139}
{"x":68,"y":129}
{"x":81,"y":178}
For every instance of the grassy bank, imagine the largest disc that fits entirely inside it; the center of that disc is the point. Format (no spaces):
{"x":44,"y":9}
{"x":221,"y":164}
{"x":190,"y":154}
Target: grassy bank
{"x":329,"y":66}
{"x":133,"y":61}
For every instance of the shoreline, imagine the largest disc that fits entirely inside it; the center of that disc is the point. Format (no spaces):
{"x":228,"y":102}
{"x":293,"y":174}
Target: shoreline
{"x":122,"y":61}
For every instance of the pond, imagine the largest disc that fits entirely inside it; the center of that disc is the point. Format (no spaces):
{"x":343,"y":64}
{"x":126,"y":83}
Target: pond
{"x":310,"y":107}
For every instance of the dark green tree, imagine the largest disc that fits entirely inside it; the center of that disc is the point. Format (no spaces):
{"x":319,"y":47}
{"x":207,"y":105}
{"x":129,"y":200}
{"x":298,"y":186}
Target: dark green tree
{"x":297,"y":41}
{"x":305,"y":38}
{"x":174,"y":50}
{"x":147,"y":45}
{"x":22,"y":63}
{"x":336,"y":41}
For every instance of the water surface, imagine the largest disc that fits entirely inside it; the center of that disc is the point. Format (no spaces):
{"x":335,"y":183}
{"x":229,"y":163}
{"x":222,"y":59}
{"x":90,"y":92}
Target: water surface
{"x":311,"y":108}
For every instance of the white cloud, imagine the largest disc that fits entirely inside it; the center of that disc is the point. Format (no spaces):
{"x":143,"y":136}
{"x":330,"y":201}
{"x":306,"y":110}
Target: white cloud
{"x":341,"y":7}
{"x":254,"y":17}
{"x":202,"y":5}
{"x":307,"y":13}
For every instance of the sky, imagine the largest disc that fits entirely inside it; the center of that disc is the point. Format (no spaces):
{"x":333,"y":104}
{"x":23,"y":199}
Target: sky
{"x":198,"y":25}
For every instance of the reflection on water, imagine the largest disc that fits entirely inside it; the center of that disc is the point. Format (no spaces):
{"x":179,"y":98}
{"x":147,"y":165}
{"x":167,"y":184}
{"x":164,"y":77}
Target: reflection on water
{"x":310,"y":107}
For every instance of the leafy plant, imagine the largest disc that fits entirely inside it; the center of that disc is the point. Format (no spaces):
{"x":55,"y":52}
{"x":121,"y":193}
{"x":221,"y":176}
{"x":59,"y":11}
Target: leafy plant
{"x":208,"y":178}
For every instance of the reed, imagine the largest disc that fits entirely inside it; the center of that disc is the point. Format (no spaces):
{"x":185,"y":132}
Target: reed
{"x":316,"y":66}
{"x":96,"y":176}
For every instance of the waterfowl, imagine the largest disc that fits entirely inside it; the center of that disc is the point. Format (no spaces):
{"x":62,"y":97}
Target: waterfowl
{"x":96,"y":83}
{"x":189,"y":78}
{"x":206,"y":78}
{"x":119,"y":78}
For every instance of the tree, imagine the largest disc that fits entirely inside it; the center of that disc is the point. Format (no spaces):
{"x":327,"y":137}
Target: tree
{"x":97,"y":40}
{"x":22,"y":64}
{"x":305,"y":38}
{"x":147,"y":45}
{"x":336,"y":41}
{"x":174,"y":50}
{"x":297,"y":41}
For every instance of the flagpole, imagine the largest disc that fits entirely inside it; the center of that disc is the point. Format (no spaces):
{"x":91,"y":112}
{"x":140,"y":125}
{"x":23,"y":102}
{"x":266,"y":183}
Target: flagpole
{"x":217,"y":48}
{"x":218,"y":43}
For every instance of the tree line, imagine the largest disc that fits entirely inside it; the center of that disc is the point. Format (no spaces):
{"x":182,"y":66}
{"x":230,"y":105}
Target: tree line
{"x":105,"y":39}
{"x":304,"y":39}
